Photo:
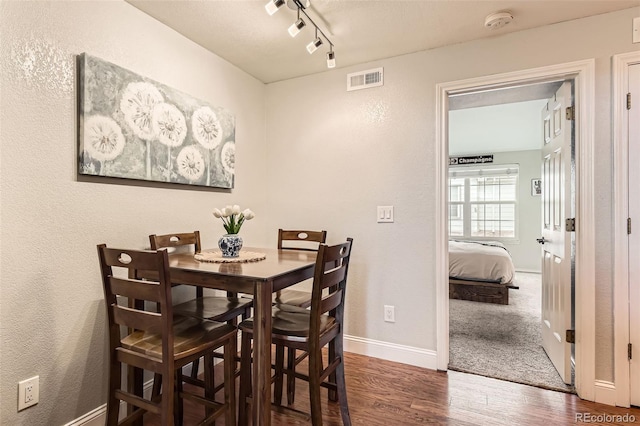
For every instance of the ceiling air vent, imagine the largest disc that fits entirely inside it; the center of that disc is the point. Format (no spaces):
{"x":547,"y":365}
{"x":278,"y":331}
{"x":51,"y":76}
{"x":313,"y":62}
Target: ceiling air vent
{"x":365,"y":79}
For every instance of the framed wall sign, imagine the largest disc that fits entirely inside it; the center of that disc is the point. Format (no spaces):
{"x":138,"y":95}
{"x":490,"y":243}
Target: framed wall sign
{"x":470,"y":159}
{"x":536,"y":186}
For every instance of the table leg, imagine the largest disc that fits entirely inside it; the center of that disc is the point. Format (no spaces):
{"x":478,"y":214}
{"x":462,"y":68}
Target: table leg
{"x":262,"y":353}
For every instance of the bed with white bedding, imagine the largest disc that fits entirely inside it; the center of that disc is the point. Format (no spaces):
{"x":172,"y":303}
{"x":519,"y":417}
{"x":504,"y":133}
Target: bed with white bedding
{"x":481,"y":271}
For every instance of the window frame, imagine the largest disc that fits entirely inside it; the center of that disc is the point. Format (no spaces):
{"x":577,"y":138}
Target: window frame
{"x":476,"y":171}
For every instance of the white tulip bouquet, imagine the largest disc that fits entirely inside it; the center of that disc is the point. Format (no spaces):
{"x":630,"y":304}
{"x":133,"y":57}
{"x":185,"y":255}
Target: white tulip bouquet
{"x":233,"y":218}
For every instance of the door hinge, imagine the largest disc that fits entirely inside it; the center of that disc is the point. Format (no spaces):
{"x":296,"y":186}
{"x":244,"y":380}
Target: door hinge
{"x":628,"y":226}
{"x":628,"y":100}
{"x":570,"y":336}
{"x":570,"y":224}
{"x":630,"y":351}
{"x":570,"y":113}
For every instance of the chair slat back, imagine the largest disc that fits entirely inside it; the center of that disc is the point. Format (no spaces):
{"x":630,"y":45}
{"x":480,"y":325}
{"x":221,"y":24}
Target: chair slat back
{"x":180,"y":239}
{"x":333,"y":276}
{"x":176,"y":240}
{"x":332,"y":266}
{"x":138,"y":320}
{"x":332,"y":301}
{"x":133,"y":288}
{"x":298,"y":239}
{"x":125,"y":297}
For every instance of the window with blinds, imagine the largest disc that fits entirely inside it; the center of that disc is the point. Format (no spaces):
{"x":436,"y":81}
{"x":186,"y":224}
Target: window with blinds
{"x":483,"y":201}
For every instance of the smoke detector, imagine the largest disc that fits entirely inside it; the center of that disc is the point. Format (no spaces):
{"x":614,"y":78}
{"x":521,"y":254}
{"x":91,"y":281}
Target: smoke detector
{"x":497,"y":20}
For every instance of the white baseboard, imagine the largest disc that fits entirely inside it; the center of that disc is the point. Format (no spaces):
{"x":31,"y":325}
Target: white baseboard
{"x":96,"y":417}
{"x":374,"y":348}
{"x":605,"y":392}
{"x":391,"y":352}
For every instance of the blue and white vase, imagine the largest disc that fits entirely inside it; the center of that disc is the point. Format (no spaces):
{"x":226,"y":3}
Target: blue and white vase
{"x":230,"y":245}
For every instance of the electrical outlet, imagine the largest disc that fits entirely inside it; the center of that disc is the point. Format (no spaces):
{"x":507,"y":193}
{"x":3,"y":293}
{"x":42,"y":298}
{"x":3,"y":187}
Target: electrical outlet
{"x":28,"y":392}
{"x":389,"y":313}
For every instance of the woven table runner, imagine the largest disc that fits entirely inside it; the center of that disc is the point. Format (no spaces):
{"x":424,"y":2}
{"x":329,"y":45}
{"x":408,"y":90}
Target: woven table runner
{"x":216,"y":257}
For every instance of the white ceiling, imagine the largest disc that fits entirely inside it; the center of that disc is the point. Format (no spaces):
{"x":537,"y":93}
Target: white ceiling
{"x":241,"y":32}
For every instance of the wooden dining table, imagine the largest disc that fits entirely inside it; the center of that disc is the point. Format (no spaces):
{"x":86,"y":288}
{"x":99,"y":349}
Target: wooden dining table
{"x":278,"y":270}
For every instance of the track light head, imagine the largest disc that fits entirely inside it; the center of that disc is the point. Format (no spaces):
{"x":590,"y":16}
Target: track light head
{"x":331,"y":59}
{"x":313,"y":46}
{"x":273,"y":6}
{"x":299,"y":6}
{"x":295,"y":28}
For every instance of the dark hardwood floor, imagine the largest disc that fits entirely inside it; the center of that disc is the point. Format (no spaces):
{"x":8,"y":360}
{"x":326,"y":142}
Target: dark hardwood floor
{"x":390,"y":394}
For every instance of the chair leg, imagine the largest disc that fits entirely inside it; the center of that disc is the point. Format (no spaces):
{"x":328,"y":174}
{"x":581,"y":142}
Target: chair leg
{"x":113,"y":403}
{"x":277,"y":388}
{"x":315,"y":367}
{"x":333,"y":395}
{"x":157,"y":385}
{"x":178,"y":414}
{"x":245,"y":379}
{"x":341,"y":383}
{"x":230,"y":350}
{"x":208,"y":382}
{"x":195,"y":366}
{"x":134,"y":385}
{"x":291,"y":378}
{"x":168,"y":395}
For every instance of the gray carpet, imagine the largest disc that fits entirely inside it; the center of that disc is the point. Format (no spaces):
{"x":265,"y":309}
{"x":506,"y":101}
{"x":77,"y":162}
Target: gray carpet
{"x":503,"y":341}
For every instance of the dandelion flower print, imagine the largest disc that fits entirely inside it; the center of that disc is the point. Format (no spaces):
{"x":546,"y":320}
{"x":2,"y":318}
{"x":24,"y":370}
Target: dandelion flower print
{"x":137,"y":104}
{"x":169,"y":124}
{"x":206,"y":127}
{"x":103,"y":138}
{"x":228,"y":157}
{"x":190,"y":163}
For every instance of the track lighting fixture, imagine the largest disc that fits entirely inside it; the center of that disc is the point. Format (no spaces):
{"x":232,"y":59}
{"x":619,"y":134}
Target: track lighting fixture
{"x":300,"y":5}
{"x":295,"y":28}
{"x":273,"y":6}
{"x":331,"y":59}
{"x":313,"y":46}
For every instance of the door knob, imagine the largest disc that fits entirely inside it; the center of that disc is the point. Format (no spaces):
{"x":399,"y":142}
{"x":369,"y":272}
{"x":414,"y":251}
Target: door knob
{"x":541,"y":240}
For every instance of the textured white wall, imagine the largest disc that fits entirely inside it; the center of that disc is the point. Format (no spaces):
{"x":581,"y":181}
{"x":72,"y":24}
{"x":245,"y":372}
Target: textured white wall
{"x":496,"y":128}
{"x":337,"y":154}
{"x":52,"y":315}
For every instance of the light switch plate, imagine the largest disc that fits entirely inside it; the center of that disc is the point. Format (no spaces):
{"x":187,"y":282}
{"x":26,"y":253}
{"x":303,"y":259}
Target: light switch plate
{"x":385,"y":214}
{"x":636,"y":30}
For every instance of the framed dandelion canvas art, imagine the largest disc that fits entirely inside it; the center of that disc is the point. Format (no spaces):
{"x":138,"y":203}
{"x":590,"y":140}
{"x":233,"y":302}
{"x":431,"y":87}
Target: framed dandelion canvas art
{"x":132,"y":127}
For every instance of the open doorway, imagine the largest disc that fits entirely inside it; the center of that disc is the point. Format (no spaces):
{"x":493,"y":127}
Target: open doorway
{"x":496,"y":218}
{"x":583,"y":74}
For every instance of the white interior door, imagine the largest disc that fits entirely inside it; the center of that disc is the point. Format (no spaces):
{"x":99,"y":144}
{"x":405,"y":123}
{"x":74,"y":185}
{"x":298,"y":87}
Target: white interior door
{"x":634,"y":236}
{"x":556,"y":241}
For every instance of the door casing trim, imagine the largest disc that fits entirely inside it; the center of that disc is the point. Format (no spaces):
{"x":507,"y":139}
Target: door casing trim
{"x":583,"y":72}
{"x":621,"y":331}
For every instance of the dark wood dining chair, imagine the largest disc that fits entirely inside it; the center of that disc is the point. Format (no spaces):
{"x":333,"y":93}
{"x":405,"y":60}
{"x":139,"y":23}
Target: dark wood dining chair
{"x":309,"y":330}
{"x":291,"y":239}
{"x":159,"y":341}
{"x":298,"y":240}
{"x":216,"y":308}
